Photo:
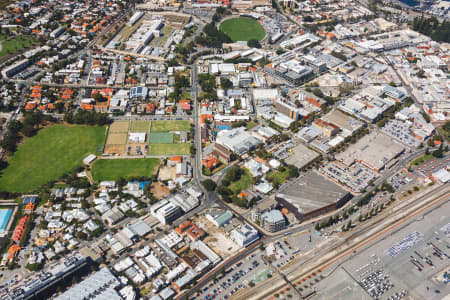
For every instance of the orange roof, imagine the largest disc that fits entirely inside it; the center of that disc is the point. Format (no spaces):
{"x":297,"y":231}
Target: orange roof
{"x":184,"y":101}
{"x":87,"y":106}
{"x":20,"y":228}
{"x":183,"y":227}
{"x":12,"y":251}
{"x":204,"y":117}
{"x":243,"y":194}
{"x":42,"y":107}
{"x":51,"y":106}
{"x":30,"y":106}
{"x":30,"y":206}
{"x":210,"y":162}
{"x":68,"y":91}
{"x":175,"y":158}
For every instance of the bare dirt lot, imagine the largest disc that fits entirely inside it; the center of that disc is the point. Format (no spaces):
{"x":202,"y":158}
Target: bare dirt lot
{"x":159,"y":191}
{"x":116,"y":139}
{"x":166,"y":173}
{"x":119,"y":127}
{"x":217,"y":239}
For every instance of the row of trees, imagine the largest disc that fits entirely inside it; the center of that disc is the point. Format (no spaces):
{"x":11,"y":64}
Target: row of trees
{"x":86,"y":117}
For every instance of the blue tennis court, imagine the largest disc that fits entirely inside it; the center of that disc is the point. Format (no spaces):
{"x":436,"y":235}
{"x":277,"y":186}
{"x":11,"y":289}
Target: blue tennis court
{"x":5,"y":214}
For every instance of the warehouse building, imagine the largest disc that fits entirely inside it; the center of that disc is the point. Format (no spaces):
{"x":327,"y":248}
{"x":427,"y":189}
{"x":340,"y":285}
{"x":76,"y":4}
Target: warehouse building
{"x":311,"y":195}
{"x":237,"y":140}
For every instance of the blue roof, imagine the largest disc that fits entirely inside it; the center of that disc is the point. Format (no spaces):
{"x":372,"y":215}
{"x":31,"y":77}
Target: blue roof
{"x":142,"y":184}
{"x":29,"y":199}
{"x":223,"y":127}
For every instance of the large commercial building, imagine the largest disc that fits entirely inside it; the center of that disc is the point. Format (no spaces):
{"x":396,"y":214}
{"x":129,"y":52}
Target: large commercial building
{"x":103,"y":284}
{"x":38,"y":287}
{"x":293,"y":72}
{"x":311,"y":195}
{"x":301,"y":156}
{"x":374,"y":150}
{"x":237,"y":140}
{"x":346,"y":123}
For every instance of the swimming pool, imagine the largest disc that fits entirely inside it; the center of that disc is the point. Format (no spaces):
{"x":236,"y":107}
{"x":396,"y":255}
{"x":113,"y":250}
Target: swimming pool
{"x":5,"y":214}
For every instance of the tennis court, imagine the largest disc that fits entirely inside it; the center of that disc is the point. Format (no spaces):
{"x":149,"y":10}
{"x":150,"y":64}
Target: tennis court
{"x":161,"y":138}
{"x":140,"y":126}
{"x":119,"y":127}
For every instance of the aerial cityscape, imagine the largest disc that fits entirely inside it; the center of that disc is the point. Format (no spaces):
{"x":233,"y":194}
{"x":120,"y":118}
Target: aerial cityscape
{"x":225,"y":149}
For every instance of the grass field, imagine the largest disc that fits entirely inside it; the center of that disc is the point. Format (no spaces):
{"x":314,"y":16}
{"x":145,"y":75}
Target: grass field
{"x":169,"y":149}
{"x":243,"y":183}
{"x":140,"y":126}
{"x":161,"y":138}
{"x":242,"y":29}
{"x":14,"y":44}
{"x":54,"y":151}
{"x":422,"y":159}
{"x":114,"y":169}
{"x":278,"y":176}
{"x":170,"y":126}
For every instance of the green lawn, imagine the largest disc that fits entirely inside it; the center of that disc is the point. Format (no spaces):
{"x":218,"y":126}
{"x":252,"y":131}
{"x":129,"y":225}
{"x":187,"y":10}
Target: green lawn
{"x":278,"y":176}
{"x":186,"y":95}
{"x":114,"y":169}
{"x":422,"y":159}
{"x":169,"y":149}
{"x":170,"y":126}
{"x":54,"y":151}
{"x":14,"y":44}
{"x":250,"y":125}
{"x":242,"y":29}
{"x":243,"y":183}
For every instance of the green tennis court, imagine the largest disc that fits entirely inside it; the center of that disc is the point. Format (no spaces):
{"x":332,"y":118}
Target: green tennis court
{"x":161,"y":138}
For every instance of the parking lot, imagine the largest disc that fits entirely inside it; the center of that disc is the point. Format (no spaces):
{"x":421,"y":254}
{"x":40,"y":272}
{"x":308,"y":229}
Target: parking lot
{"x":252,"y":269}
{"x":401,"y":131}
{"x":409,"y":262}
{"x":431,"y":166}
{"x":356,"y":177}
{"x":402,"y":180}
